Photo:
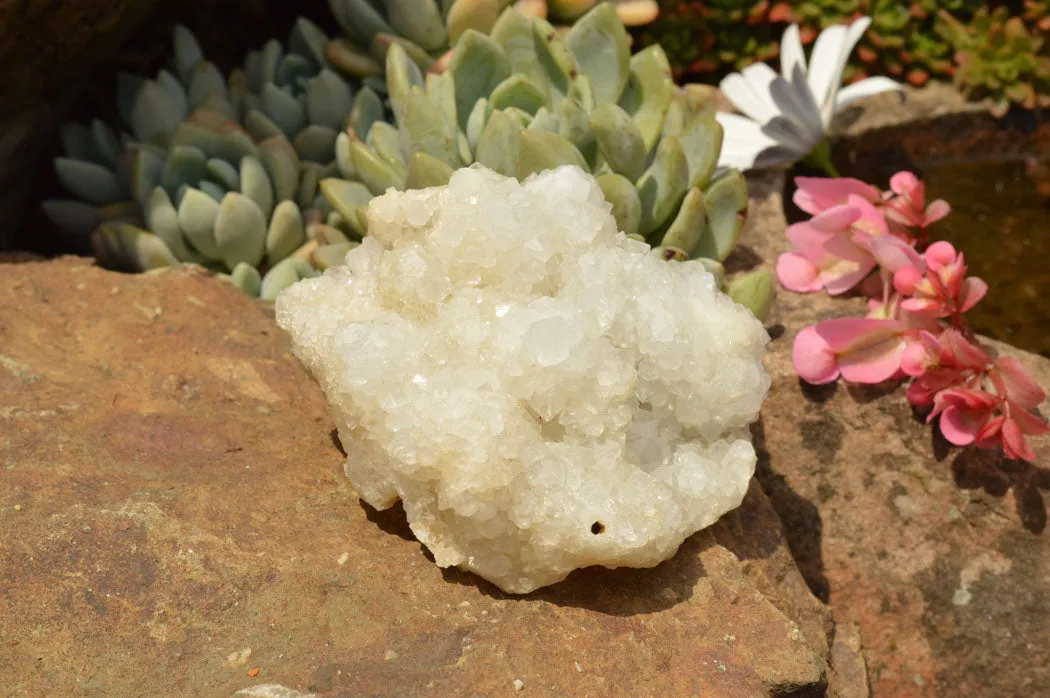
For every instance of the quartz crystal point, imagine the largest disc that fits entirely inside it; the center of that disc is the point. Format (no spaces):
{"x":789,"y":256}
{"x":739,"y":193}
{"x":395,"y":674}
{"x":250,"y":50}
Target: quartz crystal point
{"x":542,"y":392}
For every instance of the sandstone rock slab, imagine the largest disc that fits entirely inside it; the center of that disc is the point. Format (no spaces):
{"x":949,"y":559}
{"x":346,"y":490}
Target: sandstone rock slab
{"x":176,"y":522}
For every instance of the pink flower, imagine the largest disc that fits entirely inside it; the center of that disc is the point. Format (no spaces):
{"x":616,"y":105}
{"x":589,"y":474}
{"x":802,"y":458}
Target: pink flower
{"x":817,"y":194}
{"x":942,"y":289}
{"x":909,"y":207}
{"x":861,"y":350}
{"x":831,"y":248}
{"x":941,"y":362}
{"x":986,"y":419}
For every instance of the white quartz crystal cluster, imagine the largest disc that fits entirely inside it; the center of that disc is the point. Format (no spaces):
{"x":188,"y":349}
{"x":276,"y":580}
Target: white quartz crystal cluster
{"x":540,"y":391}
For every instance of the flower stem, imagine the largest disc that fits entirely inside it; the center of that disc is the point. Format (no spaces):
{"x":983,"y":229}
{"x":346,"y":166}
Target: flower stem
{"x":821,"y":159}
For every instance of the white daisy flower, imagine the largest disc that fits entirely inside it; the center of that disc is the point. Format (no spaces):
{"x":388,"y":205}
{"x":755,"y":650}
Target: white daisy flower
{"x":788,"y":115}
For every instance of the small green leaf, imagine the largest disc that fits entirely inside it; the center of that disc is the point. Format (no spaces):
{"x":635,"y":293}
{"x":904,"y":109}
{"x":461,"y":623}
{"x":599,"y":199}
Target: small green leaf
{"x":726,"y":202}
{"x":602,"y":49}
{"x":627,"y":206}
{"x":754,"y":291}
{"x":539,"y":150}
{"x":662,"y":186}
{"x":478,"y":65}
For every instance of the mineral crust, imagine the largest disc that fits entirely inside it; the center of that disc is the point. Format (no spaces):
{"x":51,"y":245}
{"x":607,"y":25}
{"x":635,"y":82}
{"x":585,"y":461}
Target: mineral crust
{"x":541,"y":392}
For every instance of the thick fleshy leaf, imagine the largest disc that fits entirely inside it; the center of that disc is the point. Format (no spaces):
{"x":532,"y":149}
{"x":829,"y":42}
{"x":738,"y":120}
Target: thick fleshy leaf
{"x":555,"y":59}
{"x":285,"y":233}
{"x":478,"y":65}
{"x":309,"y":40}
{"x":282,"y":166}
{"x":471,"y":15}
{"x":86,"y":180}
{"x":602,"y":49}
{"x":498,"y":144}
{"x":662,"y":186}
{"x":207,"y":81}
{"x":359,"y":20}
{"x":426,"y":171}
{"x":240,"y":231}
{"x":326,"y":256}
{"x":73,"y":217}
{"x":366,"y":110}
{"x":574,"y":127}
{"x":350,"y":60}
{"x":196,"y":216}
{"x":513,"y":32}
{"x":385,"y":140}
{"x":418,"y":20}
{"x":726,"y":203}
{"x":246,"y":277}
{"x":256,"y":184}
{"x":539,"y":150}
{"x":518,"y":91}
{"x":186,"y":165}
{"x":620,"y":141}
{"x":283,"y":109}
{"x":316,"y":144}
{"x":754,"y":291}
{"x":154,"y":114}
{"x":648,"y":93}
{"x":381,"y":46}
{"x":426,"y":129}
{"x":401,"y":75}
{"x":348,"y":198}
{"x":328,"y":100}
{"x":187,"y":52}
{"x":686,"y":229}
{"x":626,"y":205}
{"x":163,"y":220}
{"x":130,"y":246}
{"x":701,"y":141}
{"x":376,"y":173}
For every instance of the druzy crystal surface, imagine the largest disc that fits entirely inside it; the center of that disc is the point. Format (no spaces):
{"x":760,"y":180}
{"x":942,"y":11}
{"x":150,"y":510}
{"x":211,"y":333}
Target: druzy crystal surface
{"x":540,"y":391}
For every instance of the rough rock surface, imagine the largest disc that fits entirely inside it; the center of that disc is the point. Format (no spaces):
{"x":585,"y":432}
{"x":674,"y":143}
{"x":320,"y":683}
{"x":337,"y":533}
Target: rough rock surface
{"x":176,"y":522}
{"x":940,"y":558}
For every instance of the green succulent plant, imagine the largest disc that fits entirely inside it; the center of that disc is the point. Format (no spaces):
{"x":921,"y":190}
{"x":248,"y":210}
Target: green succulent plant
{"x":526,"y":99}
{"x":215,"y":171}
{"x":427,"y":29}
{"x":998,"y":59}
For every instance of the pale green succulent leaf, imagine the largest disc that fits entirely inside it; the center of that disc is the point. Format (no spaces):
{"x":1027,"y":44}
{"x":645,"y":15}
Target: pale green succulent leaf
{"x":471,"y":15}
{"x":620,"y":141}
{"x":513,"y":32}
{"x":426,"y":130}
{"x":359,"y":20}
{"x":662,"y":186}
{"x":285,"y":233}
{"x":555,"y":59}
{"x":346,"y":198}
{"x":88,"y":181}
{"x":478,"y":65}
{"x":544,"y":120}
{"x":401,"y":75}
{"x":647,"y":96}
{"x":256,"y":185}
{"x":366,"y":110}
{"x":602,"y":49}
{"x":574,"y":127}
{"x":240,"y":230}
{"x":479,"y":116}
{"x":426,"y":171}
{"x":316,"y":144}
{"x":328,"y":256}
{"x":539,"y":150}
{"x":281,"y":276}
{"x":246,"y":277}
{"x":701,"y":140}
{"x":419,"y":21}
{"x":375,"y":172}
{"x":518,"y":91}
{"x":498,"y":145}
{"x":350,"y":60}
{"x":328,"y":100}
{"x":627,"y":205}
{"x":754,"y":291}
{"x":284,"y":109}
{"x":385,"y":140}
{"x":282,"y":166}
{"x":163,"y":220}
{"x":726,"y":202}
{"x":687,"y":228}
{"x":381,"y":46}
{"x":187,"y":52}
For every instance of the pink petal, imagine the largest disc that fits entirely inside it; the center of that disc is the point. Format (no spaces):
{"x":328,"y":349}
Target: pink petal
{"x":960,"y":426}
{"x":871,"y":219}
{"x":972,"y":291}
{"x":873,"y":364}
{"x":808,"y":240}
{"x":844,"y":276}
{"x":937,"y":210}
{"x":989,"y":435}
{"x":924,"y":305}
{"x":1029,"y":423}
{"x":916,"y":360}
{"x":902,"y":182}
{"x":1014,"y":444}
{"x":852,"y":247}
{"x":1021,"y":387}
{"x":835,"y":219}
{"x":905,"y":280}
{"x":813,"y":359}
{"x":797,"y":273}
{"x":816,"y":194}
{"x":940,"y":254}
{"x":853,"y":334}
{"x":962,"y":352}
{"x":894,"y":255}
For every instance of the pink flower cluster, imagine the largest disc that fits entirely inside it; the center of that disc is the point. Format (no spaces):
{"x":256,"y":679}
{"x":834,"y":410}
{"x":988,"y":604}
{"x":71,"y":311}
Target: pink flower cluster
{"x":860,"y":237}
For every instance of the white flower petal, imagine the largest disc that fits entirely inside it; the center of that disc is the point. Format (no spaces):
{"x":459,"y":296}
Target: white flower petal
{"x":795,"y":98}
{"x":784,"y":118}
{"x":743,"y":141}
{"x":749,"y":91}
{"x":865,"y":88}
{"x":824,"y":62}
{"x":853,"y":35}
{"x":791,"y":53}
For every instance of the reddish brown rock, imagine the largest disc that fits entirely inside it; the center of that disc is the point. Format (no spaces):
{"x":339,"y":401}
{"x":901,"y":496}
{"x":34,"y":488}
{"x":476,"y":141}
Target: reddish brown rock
{"x":176,"y":521}
{"x":941,"y":558}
